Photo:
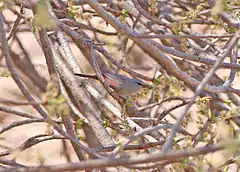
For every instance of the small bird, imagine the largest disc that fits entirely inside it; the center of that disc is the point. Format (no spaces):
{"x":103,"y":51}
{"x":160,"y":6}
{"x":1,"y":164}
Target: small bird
{"x":121,"y":84}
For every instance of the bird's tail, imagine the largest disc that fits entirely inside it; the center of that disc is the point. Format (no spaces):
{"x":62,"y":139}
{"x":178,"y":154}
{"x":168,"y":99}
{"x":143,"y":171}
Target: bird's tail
{"x":93,"y":76}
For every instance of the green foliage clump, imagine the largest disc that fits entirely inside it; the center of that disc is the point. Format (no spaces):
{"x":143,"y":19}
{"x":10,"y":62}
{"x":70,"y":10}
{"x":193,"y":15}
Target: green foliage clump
{"x":42,"y":17}
{"x":233,"y":112}
{"x":5,"y":4}
{"x":175,"y":85}
{"x":74,"y":11}
{"x":79,"y":123}
{"x":55,"y":104}
{"x":4,"y":72}
{"x":203,"y":106}
{"x":123,"y":16}
{"x":221,"y":5}
{"x":179,"y":25}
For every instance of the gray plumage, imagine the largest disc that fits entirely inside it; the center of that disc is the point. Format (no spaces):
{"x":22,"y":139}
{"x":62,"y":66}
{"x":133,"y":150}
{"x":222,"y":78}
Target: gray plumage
{"x":121,"y":84}
{"x":124,"y":85}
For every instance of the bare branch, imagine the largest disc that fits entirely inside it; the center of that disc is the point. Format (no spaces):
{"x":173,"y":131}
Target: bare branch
{"x":168,"y":144}
{"x":124,"y":161}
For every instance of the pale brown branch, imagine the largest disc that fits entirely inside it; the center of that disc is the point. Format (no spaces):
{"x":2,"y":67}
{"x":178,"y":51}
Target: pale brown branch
{"x":124,"y":161}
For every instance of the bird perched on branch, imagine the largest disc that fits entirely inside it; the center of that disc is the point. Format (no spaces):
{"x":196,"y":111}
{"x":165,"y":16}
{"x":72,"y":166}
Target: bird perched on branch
{"x":121,"y":84}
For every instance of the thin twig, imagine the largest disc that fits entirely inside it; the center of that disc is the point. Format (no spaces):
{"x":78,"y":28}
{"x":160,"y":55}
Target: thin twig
{"x":234,"y":58}
{"x":15,"y":25}
{"x":168,"y":144}
{"x":11,"y":163}
{"x":15,"y":112}
{"x":19,"y":103}
{"x":130,"y":147}
{"x":123,"y":161}
{"x":195,"y":36}
{"x":19,"y":123}
{"x":31,"y":142}
{"x":135,"y":136}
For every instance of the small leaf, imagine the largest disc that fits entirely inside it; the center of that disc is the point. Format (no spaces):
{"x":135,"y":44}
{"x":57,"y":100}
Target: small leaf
{"x":228,"y":102}
{"x":120,"y":149}
{"x":106,"y":123}
{"x":59,"y":100}
{"x":79,"y":123}
{"x":158,"y":80}
{"x":82,"y":138}
{"x":4,"y":72}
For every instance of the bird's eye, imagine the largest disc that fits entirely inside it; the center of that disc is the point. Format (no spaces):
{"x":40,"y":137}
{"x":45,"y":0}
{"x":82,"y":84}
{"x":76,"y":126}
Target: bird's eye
{"x":139,"y":83}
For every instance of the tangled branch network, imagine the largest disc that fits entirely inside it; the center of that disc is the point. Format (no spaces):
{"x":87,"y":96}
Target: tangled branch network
{"x":113,"y":85}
